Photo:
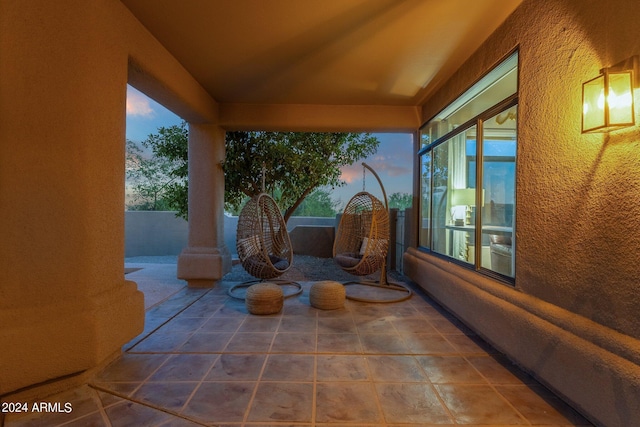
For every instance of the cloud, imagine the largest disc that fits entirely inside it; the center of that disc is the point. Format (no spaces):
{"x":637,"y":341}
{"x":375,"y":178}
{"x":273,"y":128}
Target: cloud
{"x":138,"y":105}
{"x":350,"y":173}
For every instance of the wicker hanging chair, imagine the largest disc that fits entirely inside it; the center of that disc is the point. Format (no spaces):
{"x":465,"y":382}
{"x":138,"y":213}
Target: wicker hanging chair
{"x":363,"y":235}
{"x":263,"y":244}
{"x":362,"y":241}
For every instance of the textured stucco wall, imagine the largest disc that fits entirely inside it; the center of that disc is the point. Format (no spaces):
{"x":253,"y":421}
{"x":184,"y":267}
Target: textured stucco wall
{"x":578,"y":206}
{"x":64,"y":303}
{"x":578,"y":196}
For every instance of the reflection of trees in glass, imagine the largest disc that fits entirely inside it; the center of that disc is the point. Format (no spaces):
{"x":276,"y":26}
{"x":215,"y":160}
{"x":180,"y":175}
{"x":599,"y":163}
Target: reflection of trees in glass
{"x":400,"y":201}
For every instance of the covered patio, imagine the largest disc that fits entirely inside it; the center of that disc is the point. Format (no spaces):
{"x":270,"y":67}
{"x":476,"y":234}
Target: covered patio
{"x":566,"y":312}
{"x":204,"y":360}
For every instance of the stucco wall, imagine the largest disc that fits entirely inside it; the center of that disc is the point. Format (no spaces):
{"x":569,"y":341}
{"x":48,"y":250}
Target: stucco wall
{"x":578,"y":198}
{"x":150,"y":233}
{"x":65,"y":306}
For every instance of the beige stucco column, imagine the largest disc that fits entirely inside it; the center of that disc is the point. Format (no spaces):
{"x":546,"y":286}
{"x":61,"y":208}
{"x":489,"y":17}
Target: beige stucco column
{"x":206,"y":259}
{"x":65,"y":305}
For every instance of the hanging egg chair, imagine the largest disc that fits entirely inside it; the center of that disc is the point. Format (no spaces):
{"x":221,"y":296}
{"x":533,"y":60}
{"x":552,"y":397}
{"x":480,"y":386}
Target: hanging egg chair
{"x":263,"y":243}
{"x":362,"y":241}
{"x":363,"y":235}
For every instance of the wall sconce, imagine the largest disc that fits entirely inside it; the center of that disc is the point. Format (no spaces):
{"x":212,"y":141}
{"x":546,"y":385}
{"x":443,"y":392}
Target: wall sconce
{"x":607,"y":100}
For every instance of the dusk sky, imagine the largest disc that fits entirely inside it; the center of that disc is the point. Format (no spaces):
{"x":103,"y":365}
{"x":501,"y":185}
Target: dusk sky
{"x":392,"y":162}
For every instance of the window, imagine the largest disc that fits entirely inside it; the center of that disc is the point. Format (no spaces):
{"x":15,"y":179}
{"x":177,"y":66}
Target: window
{"x":472,"y":141}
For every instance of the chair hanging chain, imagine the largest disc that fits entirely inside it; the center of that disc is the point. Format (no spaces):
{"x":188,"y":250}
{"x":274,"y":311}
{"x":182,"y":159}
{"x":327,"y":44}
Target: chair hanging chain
{"x":364,"y":170}
{"x":264,"y":172}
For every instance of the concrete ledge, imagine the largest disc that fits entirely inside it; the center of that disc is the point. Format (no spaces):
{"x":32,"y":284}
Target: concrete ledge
{"x":594,"y":368}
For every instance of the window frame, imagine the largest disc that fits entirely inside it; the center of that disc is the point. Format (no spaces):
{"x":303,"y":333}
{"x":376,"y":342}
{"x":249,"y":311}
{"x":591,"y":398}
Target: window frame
{"x":428,"y":149}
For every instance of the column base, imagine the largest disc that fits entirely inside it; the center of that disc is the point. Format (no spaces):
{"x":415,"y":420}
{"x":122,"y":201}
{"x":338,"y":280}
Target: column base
{"x":66,"y":339}
{"x":203,"y":267}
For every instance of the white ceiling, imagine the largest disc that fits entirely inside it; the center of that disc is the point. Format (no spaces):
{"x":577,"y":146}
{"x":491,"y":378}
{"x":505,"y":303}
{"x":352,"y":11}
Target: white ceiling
{"x":349,"y":52}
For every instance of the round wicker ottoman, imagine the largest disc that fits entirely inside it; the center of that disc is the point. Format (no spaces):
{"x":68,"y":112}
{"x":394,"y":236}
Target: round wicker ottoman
{"x":264,"y":298}
{"x":327,"y":295}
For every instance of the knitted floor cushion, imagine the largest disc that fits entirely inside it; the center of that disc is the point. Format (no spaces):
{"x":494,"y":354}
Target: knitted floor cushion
{"x":264,"y":298}
{"x":327,"y":295}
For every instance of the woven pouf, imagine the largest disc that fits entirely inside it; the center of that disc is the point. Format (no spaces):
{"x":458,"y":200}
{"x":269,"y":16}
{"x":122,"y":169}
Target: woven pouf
{"x":264,"y":298}
{"x":327,"y":295}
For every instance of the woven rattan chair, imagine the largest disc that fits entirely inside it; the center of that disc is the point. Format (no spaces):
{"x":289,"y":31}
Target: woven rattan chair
{"x":362,"y":241}
{"x":263,"y":244}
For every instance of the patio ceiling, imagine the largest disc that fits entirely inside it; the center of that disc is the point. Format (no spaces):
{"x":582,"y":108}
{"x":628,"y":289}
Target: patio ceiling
{"x":326,"y":52}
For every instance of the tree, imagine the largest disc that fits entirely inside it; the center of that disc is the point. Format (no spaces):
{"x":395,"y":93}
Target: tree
{"x":400,"y":201}
{"x":150,"y":179}
{"x":318,"y":203}
{"x":162,"y":176}
{"x":295,"y":163}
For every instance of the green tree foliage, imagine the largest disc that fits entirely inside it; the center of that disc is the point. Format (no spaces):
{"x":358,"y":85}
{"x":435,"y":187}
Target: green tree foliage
{"x":295,"y":163}
{"x":400,"y":201}
{"x":160,"y":180}
{"x":318,"y":203}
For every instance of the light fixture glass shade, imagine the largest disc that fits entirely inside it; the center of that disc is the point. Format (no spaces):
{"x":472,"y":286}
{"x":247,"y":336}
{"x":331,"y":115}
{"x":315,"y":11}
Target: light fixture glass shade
{"x":607,"y":102}
{"x":463,"y":196}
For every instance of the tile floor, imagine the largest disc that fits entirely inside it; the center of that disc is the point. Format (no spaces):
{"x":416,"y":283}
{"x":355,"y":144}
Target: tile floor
{"x":203,"y":360}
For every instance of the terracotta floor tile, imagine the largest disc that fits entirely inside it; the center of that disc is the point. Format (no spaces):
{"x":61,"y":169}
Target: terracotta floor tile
{"x":168,"y":395}
{"x":298,"y":342}
{"x":339,"y":343}
{"x":428,"y":344}
{"x":222,"y":324}
{"x":282,"y":402}
{"x":469,"y":344}
{"x":411,"y":403}
{"x":541,"y":407}
{"x":289,"y":367}
{"x":132,"y":367}
{"x":185,"y":367}
{"x":346,"y":402}
{"x":365,"y":365}
{"x":477,"y":404}
{"x":298,"y":324}
{"x":95,"y":419}
{"x":450,"y":369}
{"x":253,"y":342}
{"x":260,"y":324}
{"x":499,"y":370}
{"x":162,"y":342}
{"x":237,"y":367}
{"x":206,"y":342}
{"x":220,"y":402}
{"x":339,"y":325}
{"x":341,"y":368}
{"x":413,"y":325}
{"x":395,"y":369}
{"x":128,"y":413}
{"x":383,"y":344}
{"x":370,"y":324}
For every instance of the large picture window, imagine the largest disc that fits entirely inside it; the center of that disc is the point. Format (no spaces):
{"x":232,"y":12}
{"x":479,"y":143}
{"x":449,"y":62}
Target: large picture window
{"x":472,"y":141}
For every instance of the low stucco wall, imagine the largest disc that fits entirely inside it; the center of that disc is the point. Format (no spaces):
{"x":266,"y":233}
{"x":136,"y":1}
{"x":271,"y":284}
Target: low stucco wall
{"x":154,"y":233}
{"x":157,"y":233}
{"x":593,"y":367}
